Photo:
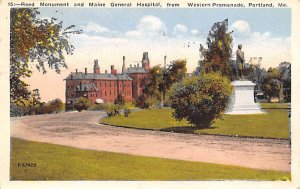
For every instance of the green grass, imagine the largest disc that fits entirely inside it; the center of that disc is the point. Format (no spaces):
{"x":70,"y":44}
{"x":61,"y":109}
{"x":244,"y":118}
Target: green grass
{"x":55,"y":162}
{"x":274,"y":105}
{"x":148,"y":119}
{"x":273,"y":124}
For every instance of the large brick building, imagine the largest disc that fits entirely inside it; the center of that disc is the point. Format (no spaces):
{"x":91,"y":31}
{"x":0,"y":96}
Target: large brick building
{"x":105,"y":87}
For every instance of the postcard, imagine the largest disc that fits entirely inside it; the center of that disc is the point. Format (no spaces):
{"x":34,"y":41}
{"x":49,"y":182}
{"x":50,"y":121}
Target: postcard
{"x":158,"y":94}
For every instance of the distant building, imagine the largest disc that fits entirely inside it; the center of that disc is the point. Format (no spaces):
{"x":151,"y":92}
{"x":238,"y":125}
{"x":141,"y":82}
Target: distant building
{"x":105,"y":87}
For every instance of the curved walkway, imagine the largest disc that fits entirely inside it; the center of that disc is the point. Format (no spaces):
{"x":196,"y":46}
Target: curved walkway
{"x":81,"y":130}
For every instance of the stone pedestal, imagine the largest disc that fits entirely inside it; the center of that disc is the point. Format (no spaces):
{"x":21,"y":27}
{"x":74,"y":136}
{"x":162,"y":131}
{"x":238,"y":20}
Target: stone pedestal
{"x":242,"y":100}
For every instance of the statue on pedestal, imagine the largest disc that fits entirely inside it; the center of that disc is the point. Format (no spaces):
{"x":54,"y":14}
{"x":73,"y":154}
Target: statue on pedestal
{"x":240,"y":60}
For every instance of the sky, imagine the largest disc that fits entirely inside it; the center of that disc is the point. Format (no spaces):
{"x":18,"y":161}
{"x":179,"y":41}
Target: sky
{"x":111,"y":33}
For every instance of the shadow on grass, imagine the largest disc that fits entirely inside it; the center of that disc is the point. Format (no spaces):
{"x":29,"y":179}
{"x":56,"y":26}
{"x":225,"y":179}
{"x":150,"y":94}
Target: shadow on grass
{"x":184,"y":129}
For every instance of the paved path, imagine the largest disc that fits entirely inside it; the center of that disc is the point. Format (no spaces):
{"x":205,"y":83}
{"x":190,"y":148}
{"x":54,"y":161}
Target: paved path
{"x":81,"y":130}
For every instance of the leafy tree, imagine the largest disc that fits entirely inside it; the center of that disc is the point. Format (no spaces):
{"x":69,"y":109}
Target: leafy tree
{"x":82,"y":104}
{"x":271,"y":84}
{"x":219,"y":49}
{"x":285,"y":79}
{"x":159,"y":80}
{"x":200,"y":100}
{"x":56,"y":105}
{"x":257,"y":75}
{"x":33,"y":39}
{"x":175,"y":72}
{"x":150,"y":85}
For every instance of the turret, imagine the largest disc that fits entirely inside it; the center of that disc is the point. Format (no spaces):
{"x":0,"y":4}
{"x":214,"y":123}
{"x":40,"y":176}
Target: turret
{"x":96,"y":67}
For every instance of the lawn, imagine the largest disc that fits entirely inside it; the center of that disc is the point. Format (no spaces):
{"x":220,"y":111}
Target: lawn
{"x":273,"y":124}
{"x":55,"y":162}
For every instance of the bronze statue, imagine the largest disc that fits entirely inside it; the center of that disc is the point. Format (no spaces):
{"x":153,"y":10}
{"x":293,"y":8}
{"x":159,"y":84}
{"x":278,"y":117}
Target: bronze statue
{"x":240,"y":60}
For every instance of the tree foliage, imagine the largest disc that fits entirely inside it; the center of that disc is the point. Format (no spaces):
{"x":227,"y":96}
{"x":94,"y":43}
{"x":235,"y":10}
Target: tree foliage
{"x":159,"y":80}
{"x":33,"y":39}
{"x":82,"y":104}
{"x":200,"y":100}
{"x":219,"y":49}
{"x":271,"y":84}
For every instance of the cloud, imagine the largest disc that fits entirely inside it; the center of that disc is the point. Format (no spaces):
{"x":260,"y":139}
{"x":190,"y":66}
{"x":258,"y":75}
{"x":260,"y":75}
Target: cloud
{"x":150,"y":23}
{"x":272,"y":49}
{"x":194,"y":32}
{"x":147,"y":26}
{"x":241,"y":26}
{"x":180,"y":29}
{"x":93,"y":27}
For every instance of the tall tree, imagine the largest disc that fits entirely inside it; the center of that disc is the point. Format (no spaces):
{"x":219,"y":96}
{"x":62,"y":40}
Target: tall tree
{"x":33,"y":39}
{"x":219,"y":49}
{"x":271,"y":84}
{"x":285,"y":80}
{"x":159,"y":80}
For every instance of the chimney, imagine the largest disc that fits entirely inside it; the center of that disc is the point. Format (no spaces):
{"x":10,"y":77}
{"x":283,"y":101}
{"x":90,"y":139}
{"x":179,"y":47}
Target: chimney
{"x":85,"y":71}
{"x":138,"y":65}
{"x":96,"y":67}
{"x":112,"y":70}
{"x":105,"y":71}
{"x":76,"y":70}
{"x":165,"y":61}
{"x":123,"y":67}
{"x":130,"y":65}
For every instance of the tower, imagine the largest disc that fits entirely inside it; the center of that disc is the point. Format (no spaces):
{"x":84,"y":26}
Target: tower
{"x":96,"y":67}
{"x":145,"y":61}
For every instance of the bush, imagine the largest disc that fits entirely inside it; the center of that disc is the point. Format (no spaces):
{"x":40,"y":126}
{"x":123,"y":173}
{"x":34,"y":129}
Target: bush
{"x":112,"y":109}
{"x":200,"y":100}
{"x":120,"y":100}
{"x":82,"y":104}
{"x":126,"y":112}
{"x":15,"y":110}
{"x":141,"y":102}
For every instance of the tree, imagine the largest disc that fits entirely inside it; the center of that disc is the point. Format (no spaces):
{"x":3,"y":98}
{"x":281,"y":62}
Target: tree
{"x":159,"y":80}
{"x":219,"y":49}
{"x":257,"y":75}
{"x":271,"y":84}
{"x":56,"y":105}
{"x":82,"y":104}
{"x":150,"y":85}
{"x":285,"y":80}
{"x":175,"y":72}
{"x":200,"y":100}
{"x":33,"y":39}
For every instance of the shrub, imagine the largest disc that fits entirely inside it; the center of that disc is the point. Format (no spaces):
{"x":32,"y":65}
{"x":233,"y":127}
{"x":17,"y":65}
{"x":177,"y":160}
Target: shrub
{"x":141,"y":102}
{"x":112,"y":109}
{"x":126,"y":112}
{"x":16,"y":110}
{"x":120,"y":100}
{"x":200,"y":100}
{"x":82,"y":104}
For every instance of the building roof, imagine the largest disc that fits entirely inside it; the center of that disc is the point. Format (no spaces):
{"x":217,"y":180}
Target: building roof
{"x":87,"y":87}
{"x":81,"y":75}
{"x":136,"y":70}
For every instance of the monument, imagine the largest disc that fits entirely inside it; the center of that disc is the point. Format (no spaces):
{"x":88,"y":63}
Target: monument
{"x":242,"y":100}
